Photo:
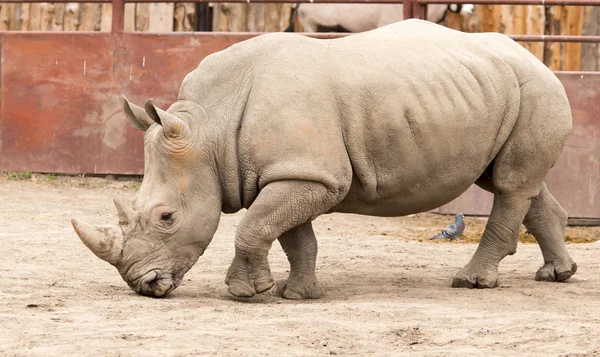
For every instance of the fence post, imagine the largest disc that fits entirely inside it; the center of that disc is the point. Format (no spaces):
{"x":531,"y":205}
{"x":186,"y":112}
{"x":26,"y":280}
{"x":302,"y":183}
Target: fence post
{"x":419,"y":11}
{"x":407,"y":9}
{"x":118,"y":16}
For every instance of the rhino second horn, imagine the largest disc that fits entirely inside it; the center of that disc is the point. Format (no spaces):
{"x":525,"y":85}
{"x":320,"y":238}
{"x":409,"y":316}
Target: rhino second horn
{"x":105,"y":242}
{"x":126,"y":214}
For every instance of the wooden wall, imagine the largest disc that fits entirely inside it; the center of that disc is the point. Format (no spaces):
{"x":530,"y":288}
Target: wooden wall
{"x":167,"y":17}
{"x":251,"y":17}
{"x":153,"y":17}
{"x":537,"y":20}
{"x":509,"y":19}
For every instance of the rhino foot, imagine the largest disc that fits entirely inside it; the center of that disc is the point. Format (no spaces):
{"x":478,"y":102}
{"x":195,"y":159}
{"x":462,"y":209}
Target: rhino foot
{"x":263,"y":284}
{"x":240,"y":288}
{"x":240,"y":282}
{"x":471,"y":278}
{"x":297,"y":290}
{"x":556,"y":271}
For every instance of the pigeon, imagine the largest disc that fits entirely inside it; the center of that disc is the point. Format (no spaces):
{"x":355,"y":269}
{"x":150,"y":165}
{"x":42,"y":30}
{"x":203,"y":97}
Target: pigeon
{"x":454,"y":230}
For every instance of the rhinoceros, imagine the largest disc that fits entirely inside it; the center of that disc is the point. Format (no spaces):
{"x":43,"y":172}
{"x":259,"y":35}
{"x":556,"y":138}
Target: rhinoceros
{"x":363,"y":17}
{"x":390,"y":122}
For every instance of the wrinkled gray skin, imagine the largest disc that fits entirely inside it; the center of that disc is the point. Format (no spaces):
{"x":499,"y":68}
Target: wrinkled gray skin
{"x":391,"y":122}
{"x":364,"y":17}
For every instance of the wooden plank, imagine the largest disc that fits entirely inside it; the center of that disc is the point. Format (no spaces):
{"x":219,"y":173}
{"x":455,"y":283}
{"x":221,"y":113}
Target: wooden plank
{"x":129,"y":20}
{"x":573,"y":26}
{"x":89,"y":17}
{"x":71,"y":18}
{"x":185,"y":17}
{"x":59,"y":15}
{"x":590,"y":52}
{"x":277,"y":16}
{"x":491,"y":16}
{"x":14,"y":11}
{"x":563,"y":20}
{"x":106,"y":18}
{"x":552,"y":50}
{"x":536,"y":19}
{"x":252,"y":17}
{"x":35,"y":17}
{"x":47,"y":16}
{"x":255,"y":17}
{"x":160,"y":17}
{"x":4,"y":19}
{"x":230,"y":17}
{"x":24,"y":17}
{"x":142,"y":17}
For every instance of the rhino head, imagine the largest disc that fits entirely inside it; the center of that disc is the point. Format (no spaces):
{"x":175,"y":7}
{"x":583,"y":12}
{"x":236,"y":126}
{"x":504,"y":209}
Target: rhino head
{"x":176,"y":211}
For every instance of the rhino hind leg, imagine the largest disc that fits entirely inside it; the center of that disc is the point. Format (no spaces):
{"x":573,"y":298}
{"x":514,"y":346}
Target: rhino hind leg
{"x":300,"y":247}
{"x":516,"y":178}
{"x":499,"y":240}
{"x":279,"y":207}
{"x":547,"y":220}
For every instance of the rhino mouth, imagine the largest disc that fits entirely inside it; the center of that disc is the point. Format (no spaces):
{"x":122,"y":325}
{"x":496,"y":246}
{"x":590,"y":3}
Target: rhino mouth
{"x":156,"y":284}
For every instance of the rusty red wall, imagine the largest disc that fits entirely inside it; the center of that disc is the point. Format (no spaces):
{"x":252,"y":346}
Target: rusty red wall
{"x":60,"y":108}
{"x":60,"y":95}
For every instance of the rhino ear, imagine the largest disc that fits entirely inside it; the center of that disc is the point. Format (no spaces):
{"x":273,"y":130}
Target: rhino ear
{"x":136,"y":116}
{"x":173,"y":126}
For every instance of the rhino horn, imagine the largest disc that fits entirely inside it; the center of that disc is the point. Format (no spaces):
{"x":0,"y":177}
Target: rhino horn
{"x":126,"y":214}
{"x":105,"y":242}
{"x":173,"y":126}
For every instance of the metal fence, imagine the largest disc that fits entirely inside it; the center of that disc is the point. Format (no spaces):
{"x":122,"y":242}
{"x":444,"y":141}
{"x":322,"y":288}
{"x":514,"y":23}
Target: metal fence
{"x":412,"y":9}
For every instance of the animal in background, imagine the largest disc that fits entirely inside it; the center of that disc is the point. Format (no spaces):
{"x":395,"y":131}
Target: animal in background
{"x":362,"y":17}
{"x":453,"y":231}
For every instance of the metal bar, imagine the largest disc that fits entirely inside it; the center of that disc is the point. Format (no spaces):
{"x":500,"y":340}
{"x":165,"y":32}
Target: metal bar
{"x":57,"y":1}
{"x":555,"y":38}
{"x":118,"y":16}
{"x":419,"y":11}
{"x":423,"y":2}
{"x":515,"y":2}
{"x":321,"y":35}
{"x":274,"y":1}
{"x":218,"y":1}
{"x":408,"y":10}
{"x":476,"y":2}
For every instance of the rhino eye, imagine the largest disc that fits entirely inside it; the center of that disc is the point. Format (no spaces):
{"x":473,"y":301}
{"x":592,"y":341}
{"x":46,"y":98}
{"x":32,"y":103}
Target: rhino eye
{"x":166,"y":216}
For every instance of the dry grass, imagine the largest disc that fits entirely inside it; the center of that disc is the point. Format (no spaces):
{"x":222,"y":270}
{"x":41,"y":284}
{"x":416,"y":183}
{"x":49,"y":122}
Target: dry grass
{"x":420,"y":227}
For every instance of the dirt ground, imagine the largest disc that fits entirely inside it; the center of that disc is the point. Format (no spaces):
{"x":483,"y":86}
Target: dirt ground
{"x":387,"y":291}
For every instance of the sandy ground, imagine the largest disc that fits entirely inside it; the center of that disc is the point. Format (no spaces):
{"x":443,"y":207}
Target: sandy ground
{"x":386,"y":293}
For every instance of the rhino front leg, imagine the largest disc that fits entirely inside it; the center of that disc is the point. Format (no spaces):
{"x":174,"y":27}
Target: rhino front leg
{"x":300,"y":246}
{"x":499,"y":239}
{"x":279,"y":207}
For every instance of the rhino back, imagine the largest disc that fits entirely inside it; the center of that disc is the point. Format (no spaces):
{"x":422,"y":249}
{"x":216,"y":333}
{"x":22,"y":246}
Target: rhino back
{"x":394,"y":112}
{"x":408,"y":115}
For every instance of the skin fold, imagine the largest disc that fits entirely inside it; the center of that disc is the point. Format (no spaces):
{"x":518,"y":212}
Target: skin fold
{"x":390,"y":122}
